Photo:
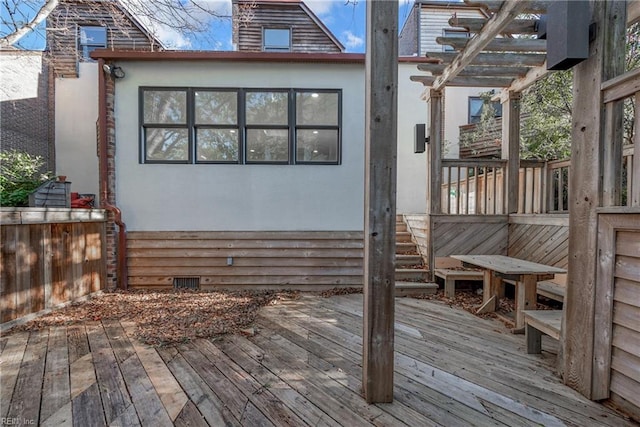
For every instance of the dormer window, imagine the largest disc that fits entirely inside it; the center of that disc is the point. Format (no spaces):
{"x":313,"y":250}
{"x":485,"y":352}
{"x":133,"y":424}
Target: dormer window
{"x":91,"y":38}
{"x":276,"y":39}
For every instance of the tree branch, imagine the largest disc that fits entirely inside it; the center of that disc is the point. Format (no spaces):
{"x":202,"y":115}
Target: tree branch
{"x":42,"y":14}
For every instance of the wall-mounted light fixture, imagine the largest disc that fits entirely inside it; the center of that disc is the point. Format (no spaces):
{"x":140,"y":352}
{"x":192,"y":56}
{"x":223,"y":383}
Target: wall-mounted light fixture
{"x":113,"y":70}
{"x":421,"y":138}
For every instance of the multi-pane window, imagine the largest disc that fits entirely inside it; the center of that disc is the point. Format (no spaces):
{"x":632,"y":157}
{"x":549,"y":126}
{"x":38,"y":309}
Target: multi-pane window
{"x":281,"y":126}
{"x":477,"y":104}
{"x":165,"y":132}
{"x":317,"y":126}
{"x":91,"y":38}
{"x":267,"y":125}
{"x":216,"y":126}
{"x":276,"y":39}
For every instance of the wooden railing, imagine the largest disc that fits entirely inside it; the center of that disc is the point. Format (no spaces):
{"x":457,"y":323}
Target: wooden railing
{"x":50,"y":257}
{"x":476,"y":186}
{"x":473,"y":187}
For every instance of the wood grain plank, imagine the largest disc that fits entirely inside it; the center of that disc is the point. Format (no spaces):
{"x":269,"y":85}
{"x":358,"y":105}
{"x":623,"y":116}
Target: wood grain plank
{"x":146,"y":401}
{"x":25,"y":403}
{"x":87,"y":408}
{"x":296,"y":401}
{"x":171,"y":394}
{"x":112,"y":386}
{"x":56,"y":386}
{"x":8,"y":284}
{"x":215,"y":412}
{"x":10,"y":360}
{"x":190,"y":416}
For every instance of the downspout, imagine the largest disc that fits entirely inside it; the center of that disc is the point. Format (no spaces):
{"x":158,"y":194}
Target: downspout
{"x":121,"y":266}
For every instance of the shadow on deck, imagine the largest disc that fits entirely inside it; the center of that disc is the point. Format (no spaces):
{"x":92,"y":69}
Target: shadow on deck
{"x":303,"y":367}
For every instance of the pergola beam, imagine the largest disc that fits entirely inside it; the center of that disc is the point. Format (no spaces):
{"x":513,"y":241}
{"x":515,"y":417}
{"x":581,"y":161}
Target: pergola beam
{"x":534,"y":6}
{"x":498,"y":45}
{"x":494,"y":59}
{"x":466,"y":81}
{"x":493,"y":27}
{"x":478,"y":70}
{"x":475,"y":25}
{"x":520,"y":84}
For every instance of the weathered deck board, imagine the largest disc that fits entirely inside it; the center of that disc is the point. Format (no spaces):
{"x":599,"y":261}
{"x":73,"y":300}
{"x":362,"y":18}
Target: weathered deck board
{"x":56,"y":408}
{"x":302,"y":367}
{"x":10,"y":361}
{"x":25,"y":403}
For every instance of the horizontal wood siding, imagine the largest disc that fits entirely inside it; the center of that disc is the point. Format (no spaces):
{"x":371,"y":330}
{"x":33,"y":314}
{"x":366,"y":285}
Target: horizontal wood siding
{"x":45,"y":265}
{"x":306,"y":35}
{"x":266,"y":260}
{"x":63,"y":33}
{"x":625,"y":343}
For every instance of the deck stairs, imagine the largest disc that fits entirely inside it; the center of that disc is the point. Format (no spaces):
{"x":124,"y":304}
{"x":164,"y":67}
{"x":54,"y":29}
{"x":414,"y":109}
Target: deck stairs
{"x":411,"y":274}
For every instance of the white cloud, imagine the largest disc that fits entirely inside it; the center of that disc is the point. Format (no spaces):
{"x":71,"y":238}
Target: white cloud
{"x":322,"y":7}
{"x":351,"y":41}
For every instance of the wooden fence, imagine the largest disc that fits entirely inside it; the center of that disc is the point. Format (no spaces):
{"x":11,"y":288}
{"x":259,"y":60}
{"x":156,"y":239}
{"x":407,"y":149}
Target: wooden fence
{"x":50,"y":256}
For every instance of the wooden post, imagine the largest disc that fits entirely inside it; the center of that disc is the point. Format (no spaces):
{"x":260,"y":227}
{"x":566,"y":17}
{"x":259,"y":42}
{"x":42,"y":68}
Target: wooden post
{"x":585,"y":192}
{"x":381,"y":99}
{"x":612,"y":152}
{"x":634,"y":173}
{"x":434,"y":170}
{"x":511,"y":149}
{"x":434,"y":149}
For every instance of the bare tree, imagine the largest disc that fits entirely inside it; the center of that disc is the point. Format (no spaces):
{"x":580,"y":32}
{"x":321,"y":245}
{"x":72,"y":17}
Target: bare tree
{"x":192,"y":19}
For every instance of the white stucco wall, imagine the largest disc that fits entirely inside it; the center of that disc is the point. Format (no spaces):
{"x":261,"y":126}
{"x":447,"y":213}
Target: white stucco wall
{"x":240,"y":197}
{"x":456,"y":112}
{"x":76,"y":116}
{"x":19,"y":74}
{"x":412,"y":167}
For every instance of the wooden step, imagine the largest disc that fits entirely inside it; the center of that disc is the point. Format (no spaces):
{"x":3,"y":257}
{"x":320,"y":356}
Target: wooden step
{"x":403,"y":236}
{"x":411,"y":274}
{"x":403,"y":260}
{"x":405,"y":289}
{"x":400,"y":227}
{"x":405,"y":248}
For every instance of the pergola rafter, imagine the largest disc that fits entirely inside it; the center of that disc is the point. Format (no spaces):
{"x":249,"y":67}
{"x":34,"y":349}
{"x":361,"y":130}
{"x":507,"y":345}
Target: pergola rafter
{"x":497,"y":55}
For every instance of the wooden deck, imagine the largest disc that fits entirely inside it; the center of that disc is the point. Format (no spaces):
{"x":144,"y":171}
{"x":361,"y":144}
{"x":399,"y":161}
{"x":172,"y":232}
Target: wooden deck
{"x":303,"y":367}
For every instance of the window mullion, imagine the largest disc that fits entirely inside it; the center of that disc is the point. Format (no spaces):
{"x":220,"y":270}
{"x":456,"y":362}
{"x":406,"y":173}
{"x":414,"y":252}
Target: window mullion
{"x":292,"y":127}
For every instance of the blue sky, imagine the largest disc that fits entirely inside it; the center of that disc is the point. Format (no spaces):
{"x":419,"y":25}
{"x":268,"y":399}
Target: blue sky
{"x":345,"y":19}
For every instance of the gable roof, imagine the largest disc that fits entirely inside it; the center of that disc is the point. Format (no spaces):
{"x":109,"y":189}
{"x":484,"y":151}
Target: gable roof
{"x":306,"y":10}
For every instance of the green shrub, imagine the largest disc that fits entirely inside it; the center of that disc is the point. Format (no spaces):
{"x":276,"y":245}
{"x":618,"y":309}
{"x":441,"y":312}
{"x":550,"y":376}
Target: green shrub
{"x":20,"y":175}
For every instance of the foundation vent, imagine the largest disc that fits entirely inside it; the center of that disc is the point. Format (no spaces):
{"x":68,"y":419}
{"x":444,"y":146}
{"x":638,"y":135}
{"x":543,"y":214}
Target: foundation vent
{"x":186,"y":283}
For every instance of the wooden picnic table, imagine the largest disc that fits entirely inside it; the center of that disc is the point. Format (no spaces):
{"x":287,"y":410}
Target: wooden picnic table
{"x":525,"y":274}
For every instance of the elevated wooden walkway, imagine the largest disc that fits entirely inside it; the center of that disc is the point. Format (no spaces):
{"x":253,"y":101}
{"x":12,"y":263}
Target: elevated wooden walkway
{"x":303,"y":367}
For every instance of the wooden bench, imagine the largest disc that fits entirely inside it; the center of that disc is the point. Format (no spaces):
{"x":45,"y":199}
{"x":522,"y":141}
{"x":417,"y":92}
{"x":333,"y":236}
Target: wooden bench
{"x":538,"y":322}
{"x":450,"y":276}
{"x":547,"y":289}
{"x":551,"y":290}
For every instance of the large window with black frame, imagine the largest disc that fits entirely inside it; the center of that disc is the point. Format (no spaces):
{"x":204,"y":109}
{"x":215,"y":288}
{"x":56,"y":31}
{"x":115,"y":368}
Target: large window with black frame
{"x":243,"y":126}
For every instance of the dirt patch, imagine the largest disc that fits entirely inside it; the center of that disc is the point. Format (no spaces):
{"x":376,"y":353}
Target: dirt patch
{"x":167,"y":317}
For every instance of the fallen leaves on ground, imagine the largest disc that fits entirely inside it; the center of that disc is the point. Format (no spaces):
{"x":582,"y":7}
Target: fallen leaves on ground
{"x":166,"y":317}
{"x":470,"y":300}
{"x":340,"y":291}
